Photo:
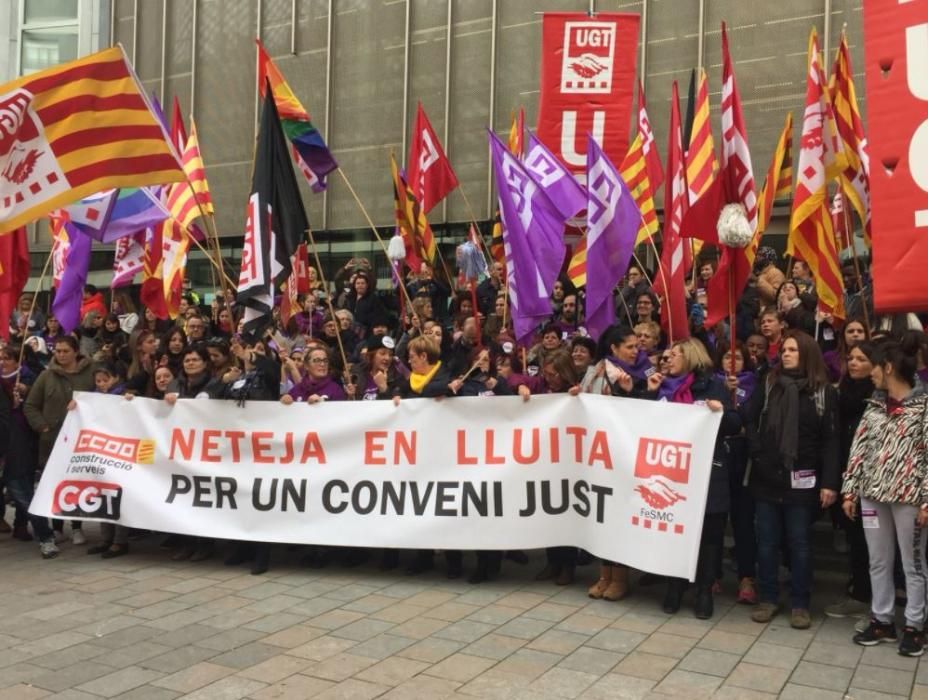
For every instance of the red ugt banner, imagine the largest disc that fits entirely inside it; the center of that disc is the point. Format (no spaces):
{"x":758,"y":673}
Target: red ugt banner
{"x":896,"y":50}
{"x":587,"y":81}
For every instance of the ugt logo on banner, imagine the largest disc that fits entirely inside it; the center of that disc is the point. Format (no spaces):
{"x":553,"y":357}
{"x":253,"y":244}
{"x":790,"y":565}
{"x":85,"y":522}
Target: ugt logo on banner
{"x":587,"y":80}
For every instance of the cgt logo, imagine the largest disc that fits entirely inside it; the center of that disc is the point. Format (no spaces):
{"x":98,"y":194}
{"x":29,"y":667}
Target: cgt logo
{"x":127,"y":449}
{"x":87,"y":499}
{"x":589,"y":53}
{"x":664,"y":458}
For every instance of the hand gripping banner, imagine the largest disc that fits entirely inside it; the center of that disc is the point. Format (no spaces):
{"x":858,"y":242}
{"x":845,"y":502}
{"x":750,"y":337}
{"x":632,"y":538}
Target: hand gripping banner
{"x":587,"y":80}
{"x":625,"y":479}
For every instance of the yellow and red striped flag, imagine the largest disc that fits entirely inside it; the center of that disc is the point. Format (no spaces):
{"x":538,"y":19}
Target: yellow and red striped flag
{"x":855,"y":178}
{"x":183,"y":197}
{"x":76,"y":129}
{"x":701,"y":164}
{"x":821,"y":159}
{"x":778,"y":185}
{"x":411,"y":222}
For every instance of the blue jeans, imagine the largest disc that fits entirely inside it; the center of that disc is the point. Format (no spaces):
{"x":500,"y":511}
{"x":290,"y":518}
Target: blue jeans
{"x":772,"y":519}
{"x":21,"y":490}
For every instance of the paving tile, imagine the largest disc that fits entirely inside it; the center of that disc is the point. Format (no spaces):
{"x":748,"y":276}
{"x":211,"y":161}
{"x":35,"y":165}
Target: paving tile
{"x":392,"y":671}
{"x":529,"y":663}
{"x":362,"y":629}
{"x":321,"y":648}
{"x":689,"y":684}
{"x":230,"y":639}
{"x":887,"y":680}
{"x":296,"y":687}
{"x":792,"y":691}
{"x":615,"y":685}
{"x":353,"y":689}
{"x":382,"y":646}
{"x":120,"y":682}
{"x":667,"y":645}
{"x":887,"y":656}
{"x":228,"y":688}
{"x":524,"y":628}
{"x":399,"y":612}
{"x":275,"y":669}
{"x":294,"y":636}
{"x":714,"y":663}
{"x":339,"y":667}
{"x":495,"y":614}
{"x":194,"y":677}
{"x":593,"y":660}
{"x":246,"y":655}
{"x":71,"y":676}
{"x":639,"y":622}
{"x":431,"y":650}
{"x":465,"y":631}
{"x":419,"y":627}
{"x":21,"y":691}
{"x":423,"y":688}
{"x":766,"y":654}
{"x":730,"y":642}
{"x":563,"y":682}
{"x":460,"y":667}
{"x":822,"y":676}
{"x":452,"y":612}
{"x":753,"y":677}
{"x":732,"y":692}
{"x":523,"y":600}
{"x":551,"y":612}
{"x":616,"y":640}
{"x":494,"y":684}
{"x":643,"y":665}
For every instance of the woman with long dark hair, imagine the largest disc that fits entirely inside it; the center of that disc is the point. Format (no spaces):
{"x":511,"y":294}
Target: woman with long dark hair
{"x":886,"y":486}
{"x":795,"y":470}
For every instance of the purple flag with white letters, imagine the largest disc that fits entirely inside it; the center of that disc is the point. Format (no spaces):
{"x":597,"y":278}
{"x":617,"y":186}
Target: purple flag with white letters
{"x":532,"y":237}
{"x":67,"y":303}
{"x":612,"y":219}
{"x":565,"y":193}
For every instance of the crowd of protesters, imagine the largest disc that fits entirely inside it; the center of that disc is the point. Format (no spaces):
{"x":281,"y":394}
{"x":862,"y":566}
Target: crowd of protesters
{"x":822,"y":418}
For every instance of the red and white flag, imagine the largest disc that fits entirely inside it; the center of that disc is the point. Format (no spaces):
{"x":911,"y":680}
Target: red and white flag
{"x":428,"y":170}
{"x":670,"y":283}
{"x":129,"y":259}
{"x":651,"y":156}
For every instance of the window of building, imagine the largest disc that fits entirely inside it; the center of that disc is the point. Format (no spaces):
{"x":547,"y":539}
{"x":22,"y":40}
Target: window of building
{"x":49,"y":34}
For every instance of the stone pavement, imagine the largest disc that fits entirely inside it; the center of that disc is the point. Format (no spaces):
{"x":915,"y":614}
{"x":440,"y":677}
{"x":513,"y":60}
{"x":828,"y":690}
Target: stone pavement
{"x":142,"y":626}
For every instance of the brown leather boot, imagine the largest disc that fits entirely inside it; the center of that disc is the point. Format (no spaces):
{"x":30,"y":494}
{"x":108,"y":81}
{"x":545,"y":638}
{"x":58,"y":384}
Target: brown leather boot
{"x":618,"y":585}
{"x":605,"y":577}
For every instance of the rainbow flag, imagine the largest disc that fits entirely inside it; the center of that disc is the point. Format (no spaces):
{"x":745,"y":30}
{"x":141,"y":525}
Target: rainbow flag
{"x":309,"y":150}
{"x":76,"y":129}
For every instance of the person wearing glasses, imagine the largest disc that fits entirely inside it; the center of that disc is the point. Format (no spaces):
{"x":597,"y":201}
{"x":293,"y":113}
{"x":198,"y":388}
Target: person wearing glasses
{"x":688,"y":378}
{"x":318,"y":384}
{"x":195,"y":329}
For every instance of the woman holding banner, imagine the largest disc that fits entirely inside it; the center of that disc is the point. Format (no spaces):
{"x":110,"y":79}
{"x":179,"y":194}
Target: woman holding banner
{"x":689,"y":379}
{"x":795,"y":471}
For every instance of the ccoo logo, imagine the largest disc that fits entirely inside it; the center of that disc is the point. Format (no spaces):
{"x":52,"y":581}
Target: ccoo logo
{"x":127,"y":449}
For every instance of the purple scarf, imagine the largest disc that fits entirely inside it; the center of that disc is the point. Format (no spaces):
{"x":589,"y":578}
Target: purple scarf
{"x":923,"y":374}
{"x":326,"y":386}
{"x":640,"y":369}
{"x":677,"y":389}
{"x":747,"y":382}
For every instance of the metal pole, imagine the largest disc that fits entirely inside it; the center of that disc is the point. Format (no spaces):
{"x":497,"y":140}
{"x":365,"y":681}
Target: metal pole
{"x":701,"y":38}
{"x":643,"y":60}
{"x":135,"y":33}
{"x":826,"y":33}
{"x":193,"y":61}
{"x":258,"y":28}
{"x":293,"y":22}
{"x":592,"y":10}
{"x":493,"y":29}
{"x":112,"y":22}
{"x":328,"y":103}
{"x":164,"y":34}
{"x":406,"y":50}
{"x":447,"y":129}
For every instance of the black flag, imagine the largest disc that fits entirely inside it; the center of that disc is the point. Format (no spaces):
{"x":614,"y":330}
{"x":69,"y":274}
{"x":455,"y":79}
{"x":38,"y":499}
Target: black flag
{"x":275,"y":222}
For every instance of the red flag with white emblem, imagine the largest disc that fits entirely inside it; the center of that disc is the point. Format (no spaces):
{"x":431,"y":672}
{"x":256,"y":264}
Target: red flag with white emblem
{"x":428,"y":169}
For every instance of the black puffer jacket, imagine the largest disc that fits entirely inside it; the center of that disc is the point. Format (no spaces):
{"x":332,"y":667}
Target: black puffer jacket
{"x":817,"y":447}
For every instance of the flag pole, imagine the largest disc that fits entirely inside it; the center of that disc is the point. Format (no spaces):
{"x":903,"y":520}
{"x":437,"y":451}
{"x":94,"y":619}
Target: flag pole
{"x":473,"y":219}
{"x":849,"y":235}
{"x":328,"y":299}
{"x":35,"y":295}
{"x":383,"y":245}
{"x":660,"y":269}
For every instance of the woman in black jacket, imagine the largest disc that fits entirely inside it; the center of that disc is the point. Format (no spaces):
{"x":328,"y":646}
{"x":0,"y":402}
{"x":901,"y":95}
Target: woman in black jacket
{"x":795,"y":470}
{"x":690,"y":380}
{"x":362,"y":301}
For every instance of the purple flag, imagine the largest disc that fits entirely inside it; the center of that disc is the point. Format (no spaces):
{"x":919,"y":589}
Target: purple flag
{"x":565,"y":193}
{"x":67,"y":304}
{"x":532,"y":238}
{"x":135,"y":209}
{"x":613,"y":219}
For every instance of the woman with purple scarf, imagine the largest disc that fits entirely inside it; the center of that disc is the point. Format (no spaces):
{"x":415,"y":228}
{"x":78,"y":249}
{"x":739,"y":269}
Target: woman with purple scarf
{"x":690,"y":380}
{"x":740,"y":377}
{"x":317,"y":384}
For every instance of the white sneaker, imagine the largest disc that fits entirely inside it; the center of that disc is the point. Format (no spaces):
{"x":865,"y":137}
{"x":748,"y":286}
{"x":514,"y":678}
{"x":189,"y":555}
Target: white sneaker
{"x":77,"y":537}
{"x":48,"y":549}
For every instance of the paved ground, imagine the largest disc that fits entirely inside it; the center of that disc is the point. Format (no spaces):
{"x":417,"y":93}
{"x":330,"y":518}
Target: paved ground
{"x":142,"y":626}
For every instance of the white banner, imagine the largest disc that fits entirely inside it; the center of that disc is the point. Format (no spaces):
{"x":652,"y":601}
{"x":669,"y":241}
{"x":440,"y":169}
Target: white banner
{"x":624,"y":479}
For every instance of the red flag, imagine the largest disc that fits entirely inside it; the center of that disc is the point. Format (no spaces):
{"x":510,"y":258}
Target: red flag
{"x":670,"y":282}
{"x":428,"y":170}
{"x":14,"y":273}
{"x":152,"y":292}
{"x":737,"y":186}
{"x":178,"y":131}
{"x":651,"y":156}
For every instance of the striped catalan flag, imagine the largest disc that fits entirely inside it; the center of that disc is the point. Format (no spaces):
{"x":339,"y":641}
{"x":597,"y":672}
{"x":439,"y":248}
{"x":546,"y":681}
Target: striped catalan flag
{"x":701,"y":163}
{"x":411,"y":221}
{"x":778,"y":185}
{"x":76,"y":129}
{"x":183,"y":198}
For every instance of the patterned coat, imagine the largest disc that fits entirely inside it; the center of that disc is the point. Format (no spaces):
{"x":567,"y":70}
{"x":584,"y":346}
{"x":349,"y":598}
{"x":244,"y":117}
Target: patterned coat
{"x":889,"y":455}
